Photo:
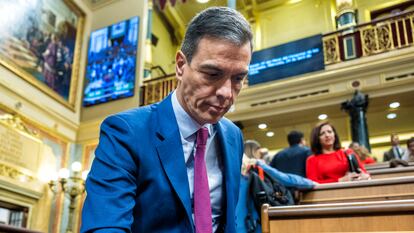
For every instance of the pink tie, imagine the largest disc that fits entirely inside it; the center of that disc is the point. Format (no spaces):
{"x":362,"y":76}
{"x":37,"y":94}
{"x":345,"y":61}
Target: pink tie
{"x":202,"y":205}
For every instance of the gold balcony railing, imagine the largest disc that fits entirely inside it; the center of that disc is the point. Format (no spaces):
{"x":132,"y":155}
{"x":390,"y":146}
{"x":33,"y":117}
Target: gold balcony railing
{"x":156,"y":89}
{"x":368,"y":39}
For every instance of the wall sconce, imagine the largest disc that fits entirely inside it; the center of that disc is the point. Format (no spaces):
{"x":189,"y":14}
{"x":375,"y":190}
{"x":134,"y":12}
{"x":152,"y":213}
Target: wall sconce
{"x":72,"y":185}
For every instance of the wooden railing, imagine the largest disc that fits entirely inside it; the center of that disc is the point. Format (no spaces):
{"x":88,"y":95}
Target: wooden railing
{"x":376,"y":216}
{"x":368,"y":39}
{"x":156,"y":89}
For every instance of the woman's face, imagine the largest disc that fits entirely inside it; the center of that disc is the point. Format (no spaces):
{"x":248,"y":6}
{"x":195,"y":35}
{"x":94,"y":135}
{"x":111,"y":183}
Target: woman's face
{"x":327,"y":137}
{"x":257,"y":154}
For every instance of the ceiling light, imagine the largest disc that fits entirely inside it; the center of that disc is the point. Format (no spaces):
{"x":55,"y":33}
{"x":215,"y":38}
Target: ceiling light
{"x":203,"y":1}
{"x":262,"y":126}
{"x":322,"y":117}
{"x":392,"y":115}
{"x":394,"y":105}
{"x":270,"y":134}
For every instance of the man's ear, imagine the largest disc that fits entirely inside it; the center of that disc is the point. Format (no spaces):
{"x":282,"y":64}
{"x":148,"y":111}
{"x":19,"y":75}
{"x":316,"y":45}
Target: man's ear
{"x":180,"y":61}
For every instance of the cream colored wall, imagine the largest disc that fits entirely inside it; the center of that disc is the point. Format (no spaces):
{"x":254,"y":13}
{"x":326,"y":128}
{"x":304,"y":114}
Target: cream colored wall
{"x":164,"y":53}
{"x":115,"y":12}
{"x":294,"y":21}
{"x":366,"y":6}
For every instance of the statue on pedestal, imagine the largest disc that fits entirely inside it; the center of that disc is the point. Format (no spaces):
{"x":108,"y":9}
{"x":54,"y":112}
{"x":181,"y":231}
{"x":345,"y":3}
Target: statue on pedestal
{"x":356,"y":108}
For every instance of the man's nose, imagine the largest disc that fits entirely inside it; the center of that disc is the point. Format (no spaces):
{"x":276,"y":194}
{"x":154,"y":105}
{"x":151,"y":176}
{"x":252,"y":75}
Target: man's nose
{"x":225,"y":89}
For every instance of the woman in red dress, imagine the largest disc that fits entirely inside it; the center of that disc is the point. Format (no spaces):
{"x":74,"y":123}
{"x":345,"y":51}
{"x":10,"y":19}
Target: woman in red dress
{"x":329,"y":162}
{"x":362,"y":152}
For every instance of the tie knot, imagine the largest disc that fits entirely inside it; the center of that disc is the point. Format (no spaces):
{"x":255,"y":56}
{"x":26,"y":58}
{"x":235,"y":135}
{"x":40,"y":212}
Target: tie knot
{"x":202,"y":135}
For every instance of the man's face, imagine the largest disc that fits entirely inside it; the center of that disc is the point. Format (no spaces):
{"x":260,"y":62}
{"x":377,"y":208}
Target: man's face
{"x":355,"y":146}
{"x":411,"y":147}
{"x":210,"y":84}
{"x":395,"y":140}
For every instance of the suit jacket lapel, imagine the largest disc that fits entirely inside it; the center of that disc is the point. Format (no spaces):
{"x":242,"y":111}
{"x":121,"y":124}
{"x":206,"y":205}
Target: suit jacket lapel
{"x":230,"y":172}
{"x":170,"y":151}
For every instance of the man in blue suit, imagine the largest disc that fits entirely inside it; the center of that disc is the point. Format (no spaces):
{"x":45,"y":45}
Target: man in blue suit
{"x":145,"y":176}
{"x":293,"y":159}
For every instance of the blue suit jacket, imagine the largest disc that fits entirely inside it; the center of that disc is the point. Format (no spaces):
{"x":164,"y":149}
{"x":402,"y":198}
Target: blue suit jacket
{"x":138,"y":180}
{"x":292,"y":160}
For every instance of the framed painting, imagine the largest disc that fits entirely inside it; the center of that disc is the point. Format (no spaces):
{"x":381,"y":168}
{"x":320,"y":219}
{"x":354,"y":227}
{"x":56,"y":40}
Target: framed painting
{"x":40,"y":41}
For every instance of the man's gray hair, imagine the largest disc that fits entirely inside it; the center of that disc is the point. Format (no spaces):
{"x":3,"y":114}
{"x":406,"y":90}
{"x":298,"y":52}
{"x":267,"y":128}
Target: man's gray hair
{"x":216,"y":22}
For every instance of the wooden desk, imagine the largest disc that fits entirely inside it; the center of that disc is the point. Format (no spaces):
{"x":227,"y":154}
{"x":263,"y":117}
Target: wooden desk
{"x":382,"y":165}
{"x":374,"y":166}
{"x":389,"y":216}
{"x":392,"y":172}
{"x":368,"y":190}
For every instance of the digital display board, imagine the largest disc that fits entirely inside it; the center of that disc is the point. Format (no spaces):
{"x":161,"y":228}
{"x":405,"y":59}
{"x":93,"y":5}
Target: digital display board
{"x":286,"y":60}
{"x":110,"y":72}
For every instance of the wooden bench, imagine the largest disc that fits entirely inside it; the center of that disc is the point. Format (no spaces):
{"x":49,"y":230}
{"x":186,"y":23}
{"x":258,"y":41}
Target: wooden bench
{"x":384,"y":216}
{"x":392,"y":172}
{"x":382,"y":165}
{"x":393,"y":188}
{"x":374,"y":166}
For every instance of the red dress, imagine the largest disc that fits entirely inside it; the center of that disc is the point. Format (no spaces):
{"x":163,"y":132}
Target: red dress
{"x":328,"y":168}
{"x":368,"y":160}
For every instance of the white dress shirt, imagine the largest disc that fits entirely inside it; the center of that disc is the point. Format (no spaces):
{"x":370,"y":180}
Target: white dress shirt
{"x":188,"y":128}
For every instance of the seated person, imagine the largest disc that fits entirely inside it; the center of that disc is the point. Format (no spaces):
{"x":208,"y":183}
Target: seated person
{"x":362,"y":153}
{"x":395,"y":152}
{"x":252,"y":157}
{"x":293,"y":159}
{"x":329,"y":163}
{"x":409,"y":154}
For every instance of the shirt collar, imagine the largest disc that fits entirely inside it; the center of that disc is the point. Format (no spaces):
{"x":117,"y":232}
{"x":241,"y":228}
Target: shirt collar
{"x":187,"y":125}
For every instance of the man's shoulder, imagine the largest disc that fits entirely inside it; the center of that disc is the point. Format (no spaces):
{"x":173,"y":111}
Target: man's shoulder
{"x":389,"y":152}
{"x":228,"y":125}
{"x":132,"y":117}
{"x":134,"y":112}
{"x":283,"y":152}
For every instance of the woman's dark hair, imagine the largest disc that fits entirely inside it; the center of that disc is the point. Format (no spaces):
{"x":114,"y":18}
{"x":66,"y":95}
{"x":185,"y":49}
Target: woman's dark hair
{"x":314,"y":138}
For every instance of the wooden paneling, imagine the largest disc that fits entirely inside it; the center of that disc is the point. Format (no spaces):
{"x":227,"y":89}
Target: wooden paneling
{"x":375,"y":166}
{"x":389,"y":216}
{"x":369,"y":190}
{"x":392,"y":172}
{"x":384,"y":165}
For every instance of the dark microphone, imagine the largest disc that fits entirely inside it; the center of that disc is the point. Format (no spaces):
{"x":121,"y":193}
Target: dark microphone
{"x":352,"y":163}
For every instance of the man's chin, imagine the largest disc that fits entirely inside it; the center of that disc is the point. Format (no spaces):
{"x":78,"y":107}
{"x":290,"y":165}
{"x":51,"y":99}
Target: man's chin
{"x":212,"y":119}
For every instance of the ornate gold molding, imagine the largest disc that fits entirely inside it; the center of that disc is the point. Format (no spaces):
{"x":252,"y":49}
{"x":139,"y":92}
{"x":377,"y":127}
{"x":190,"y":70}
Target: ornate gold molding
{"x":14,"y":173}
{"x":15,"y":122}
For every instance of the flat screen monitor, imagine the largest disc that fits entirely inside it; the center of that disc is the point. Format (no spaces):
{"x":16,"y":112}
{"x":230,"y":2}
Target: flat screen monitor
{"x":110,"y":72}
{"x":287,"y":60}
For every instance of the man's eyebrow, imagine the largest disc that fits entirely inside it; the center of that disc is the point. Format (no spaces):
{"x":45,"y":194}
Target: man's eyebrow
{"x":210,"y":67}
{"x":243,"y":73}
{"x":218,"y":69}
